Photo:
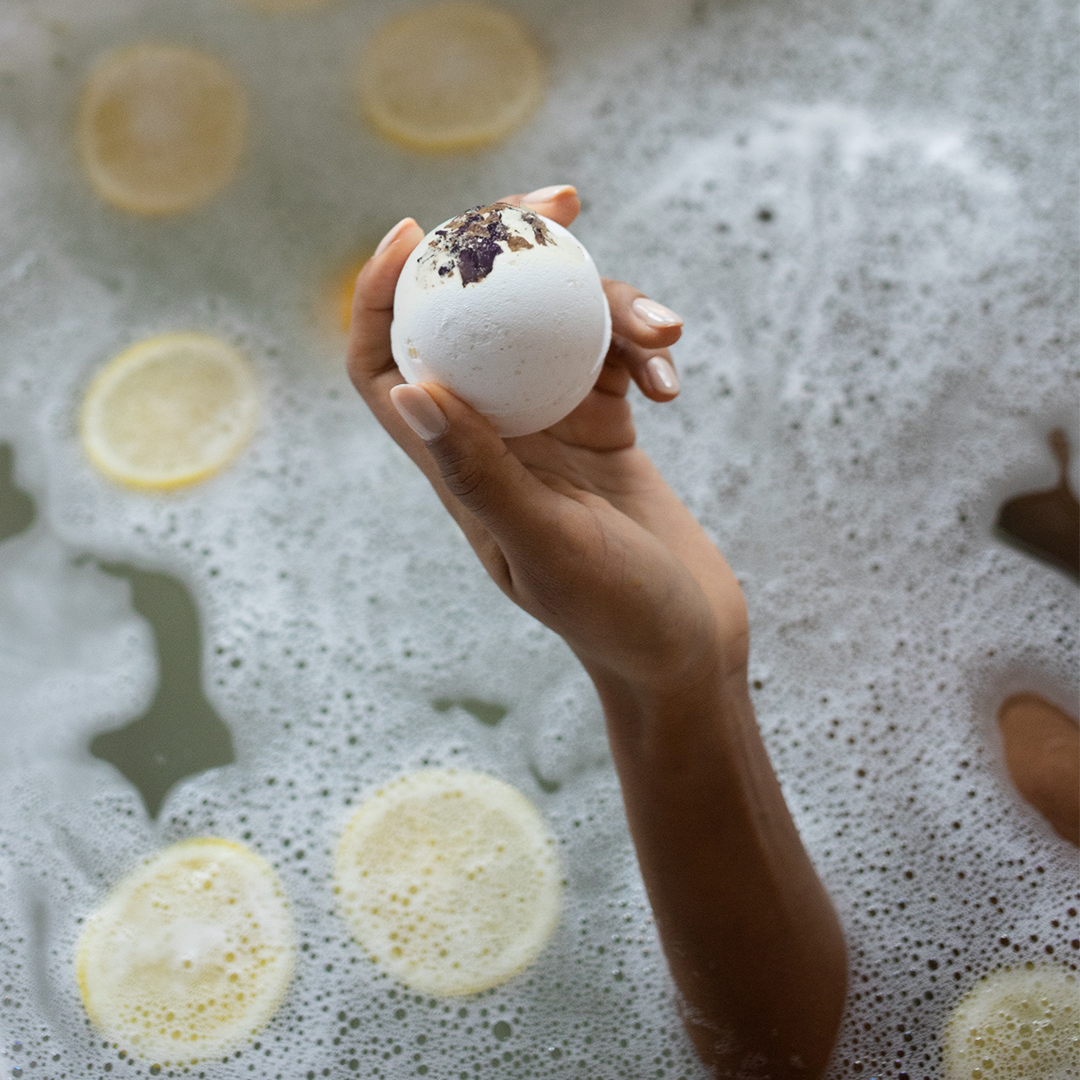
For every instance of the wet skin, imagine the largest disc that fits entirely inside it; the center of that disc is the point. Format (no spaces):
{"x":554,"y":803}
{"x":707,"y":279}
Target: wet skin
{"x":1042,"y":752}
{"x":1041,"y":742}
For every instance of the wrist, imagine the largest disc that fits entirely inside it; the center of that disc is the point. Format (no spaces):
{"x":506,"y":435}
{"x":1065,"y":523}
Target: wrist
{"x":688,"y":699}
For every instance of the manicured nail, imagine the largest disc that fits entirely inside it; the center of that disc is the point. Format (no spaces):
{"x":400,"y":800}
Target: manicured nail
{"x":420,"y":411}
{"x":662,"y":375}
{"x":546,"y":194}
{"x":649,"y":311}
{"x":393,"y":234}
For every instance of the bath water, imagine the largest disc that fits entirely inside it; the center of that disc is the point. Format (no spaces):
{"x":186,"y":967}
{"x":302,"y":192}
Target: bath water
{"x":866,"y":217}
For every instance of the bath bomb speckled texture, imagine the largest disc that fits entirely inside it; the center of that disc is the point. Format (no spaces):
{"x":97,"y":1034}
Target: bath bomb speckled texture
{"x":505,"y":308}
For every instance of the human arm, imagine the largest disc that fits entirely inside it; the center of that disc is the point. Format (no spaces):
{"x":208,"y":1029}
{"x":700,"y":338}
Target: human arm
{"x":578,"y":527}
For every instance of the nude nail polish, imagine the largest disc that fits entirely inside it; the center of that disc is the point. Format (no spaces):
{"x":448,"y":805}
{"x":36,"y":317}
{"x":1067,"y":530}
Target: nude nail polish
{"x":662,"y":375}
{"x":654,"y":314}
{"x":420,"y":411}
{"x":392,"y":235}
{"x":546,"y":194}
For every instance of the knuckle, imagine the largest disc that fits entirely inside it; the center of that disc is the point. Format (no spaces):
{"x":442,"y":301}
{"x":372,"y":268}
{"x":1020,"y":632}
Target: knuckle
{"x":463,"y":475}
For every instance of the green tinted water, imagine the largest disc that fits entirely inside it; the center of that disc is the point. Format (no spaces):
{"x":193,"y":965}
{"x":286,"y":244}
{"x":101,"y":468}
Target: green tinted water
{"x":16,"y":506}
{"x":180,"y":734}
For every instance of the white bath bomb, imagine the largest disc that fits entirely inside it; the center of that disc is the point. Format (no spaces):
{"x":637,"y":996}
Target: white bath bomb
{"x":506,"y":309}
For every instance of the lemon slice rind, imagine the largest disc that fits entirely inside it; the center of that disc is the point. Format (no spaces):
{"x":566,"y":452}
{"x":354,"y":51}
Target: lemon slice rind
{"x":190,"y":954}
{"x":450,"y":76}
{"x":450,"y":880}
{"x":169,"y":411}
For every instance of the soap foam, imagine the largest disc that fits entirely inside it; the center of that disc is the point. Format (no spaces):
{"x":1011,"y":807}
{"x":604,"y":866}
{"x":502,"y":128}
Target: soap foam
{"x":865,"y":220}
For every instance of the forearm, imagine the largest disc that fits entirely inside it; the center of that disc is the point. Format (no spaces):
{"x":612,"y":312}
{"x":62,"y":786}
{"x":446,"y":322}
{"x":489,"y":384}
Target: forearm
{"x":750,"y":934}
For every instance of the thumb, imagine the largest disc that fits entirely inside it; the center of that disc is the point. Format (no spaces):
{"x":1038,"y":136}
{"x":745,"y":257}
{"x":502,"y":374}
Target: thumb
{"x":476,"y":468}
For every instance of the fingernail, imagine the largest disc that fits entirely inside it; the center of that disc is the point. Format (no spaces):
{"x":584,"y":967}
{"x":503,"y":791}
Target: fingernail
{"x":649,"y":311}
{"x":420,"y":411}
{"x":546,"y":194}
{"x":392,"y":235}
{"x":662,"y":375}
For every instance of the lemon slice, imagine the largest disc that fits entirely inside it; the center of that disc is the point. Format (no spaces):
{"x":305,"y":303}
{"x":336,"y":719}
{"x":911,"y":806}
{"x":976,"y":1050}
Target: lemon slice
{"x":169,"y":411}
{"x":1016,"y":1025}
{"x":450,"y":880}
{"x":450,"y":76}
{"x":190,"y":954}
{"x":161,"y":128}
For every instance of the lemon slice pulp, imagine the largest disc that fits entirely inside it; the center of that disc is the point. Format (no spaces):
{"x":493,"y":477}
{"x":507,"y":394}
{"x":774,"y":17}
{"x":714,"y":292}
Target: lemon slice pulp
{"x":190,"y":954}
{"x":450,"y":880}
{"x":169,"y":411}
{"x":160,"y":128}
{"x":450,"y":76}
{"x":1017,"y":1024}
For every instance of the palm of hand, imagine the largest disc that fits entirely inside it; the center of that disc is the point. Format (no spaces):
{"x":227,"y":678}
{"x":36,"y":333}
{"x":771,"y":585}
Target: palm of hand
{"x":634,"y":584}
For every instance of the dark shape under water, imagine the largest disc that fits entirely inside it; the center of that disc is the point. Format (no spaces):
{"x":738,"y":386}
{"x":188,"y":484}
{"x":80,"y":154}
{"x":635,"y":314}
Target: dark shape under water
{"x":16,"y":507}
{"x":550,"y":786}
{"x":180,"y":734}
{"x":1046,"y":524}
{"x":487,"y":712}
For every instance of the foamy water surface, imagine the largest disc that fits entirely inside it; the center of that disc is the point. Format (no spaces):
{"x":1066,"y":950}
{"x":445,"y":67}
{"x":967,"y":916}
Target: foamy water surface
{"x":866,"y":216}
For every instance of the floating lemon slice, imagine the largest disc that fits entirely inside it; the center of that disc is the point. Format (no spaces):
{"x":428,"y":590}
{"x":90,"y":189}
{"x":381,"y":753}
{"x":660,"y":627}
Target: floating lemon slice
{"x":450,"y":880}
{"x":161,"y":128}
{"x":450,"y":76}
{"x":1016,"y":1025}
{"x":190,"y":954}
{"x":169,"y":411}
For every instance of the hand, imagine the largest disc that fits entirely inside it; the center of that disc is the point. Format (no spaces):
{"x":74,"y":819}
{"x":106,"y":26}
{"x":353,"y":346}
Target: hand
{"x":574,"y":523}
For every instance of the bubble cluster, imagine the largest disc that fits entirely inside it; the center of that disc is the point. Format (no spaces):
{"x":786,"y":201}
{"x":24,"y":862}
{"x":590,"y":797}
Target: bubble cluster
{"x":1016,"y":1023}
{"x":866,"y":219}
{"x":189,"y":954}
{"x":449,"y":879}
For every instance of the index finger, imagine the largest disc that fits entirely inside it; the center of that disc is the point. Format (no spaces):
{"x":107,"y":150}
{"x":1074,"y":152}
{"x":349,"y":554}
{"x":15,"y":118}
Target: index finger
{"x":369,"y":355}
{"x":559,"y":202}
